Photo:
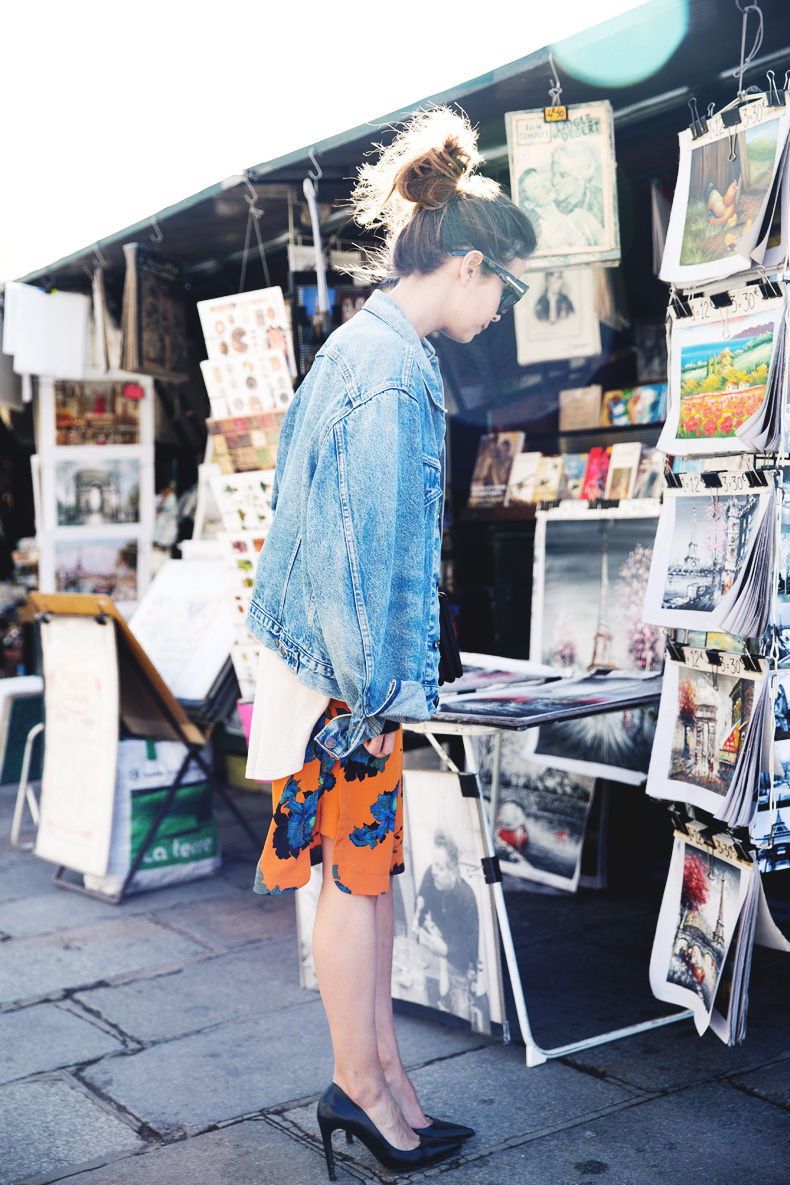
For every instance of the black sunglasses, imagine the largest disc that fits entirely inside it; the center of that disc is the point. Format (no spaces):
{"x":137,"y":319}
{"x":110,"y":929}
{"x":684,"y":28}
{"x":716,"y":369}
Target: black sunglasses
{"x":514,"y":289}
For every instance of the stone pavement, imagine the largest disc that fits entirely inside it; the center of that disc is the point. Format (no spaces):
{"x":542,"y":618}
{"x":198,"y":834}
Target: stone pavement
{"x":166,"y":1041}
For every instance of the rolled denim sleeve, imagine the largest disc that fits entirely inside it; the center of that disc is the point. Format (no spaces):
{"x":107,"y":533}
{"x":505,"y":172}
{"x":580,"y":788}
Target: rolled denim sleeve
{"x":365,"y":540}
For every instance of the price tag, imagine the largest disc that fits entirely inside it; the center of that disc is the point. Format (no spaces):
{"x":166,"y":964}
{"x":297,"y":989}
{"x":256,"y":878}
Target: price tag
{"x":133,"y":391}
{"x":555,"y":114}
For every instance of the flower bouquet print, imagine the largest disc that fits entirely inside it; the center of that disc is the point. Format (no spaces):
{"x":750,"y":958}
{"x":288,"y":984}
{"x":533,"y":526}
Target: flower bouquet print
{"x":714,"y":735}
{"x":722,"y":210}
{"x":726,"y":374}
{"x":712,"y":566}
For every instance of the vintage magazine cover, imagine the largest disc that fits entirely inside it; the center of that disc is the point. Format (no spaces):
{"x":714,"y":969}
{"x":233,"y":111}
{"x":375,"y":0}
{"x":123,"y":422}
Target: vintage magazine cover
{"x":154,"y":314}
{"x":562,"y":175}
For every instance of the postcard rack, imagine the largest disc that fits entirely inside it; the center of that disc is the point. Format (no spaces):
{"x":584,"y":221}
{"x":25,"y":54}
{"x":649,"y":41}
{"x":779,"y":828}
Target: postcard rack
{"x":536,"y":1055}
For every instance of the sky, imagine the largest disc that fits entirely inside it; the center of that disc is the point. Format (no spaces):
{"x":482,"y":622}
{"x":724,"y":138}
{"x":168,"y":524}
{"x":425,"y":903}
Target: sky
{"x":113,"y":111}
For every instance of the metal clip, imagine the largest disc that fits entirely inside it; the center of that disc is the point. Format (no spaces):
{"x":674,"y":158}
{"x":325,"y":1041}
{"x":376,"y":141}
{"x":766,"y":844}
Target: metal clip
{"x":491,"y":870}
{"x":680,"y":305}
{"x":750,"y":663}
{"x":711,"y":480}
{"x":699,"y":125}
{"x":721,"y":300}
{"x":675,"y":651}
{"x":714,"y":657}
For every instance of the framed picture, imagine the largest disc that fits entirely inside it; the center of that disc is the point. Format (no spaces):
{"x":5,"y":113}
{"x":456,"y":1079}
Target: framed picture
{"x":590,"y":576}
{"x":113,"y":563}
{"x":558,"y":317}
{"x":562,"y":175}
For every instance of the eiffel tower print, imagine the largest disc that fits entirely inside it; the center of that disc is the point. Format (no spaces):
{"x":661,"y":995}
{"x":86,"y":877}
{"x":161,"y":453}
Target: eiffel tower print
{"x":603,"y":648}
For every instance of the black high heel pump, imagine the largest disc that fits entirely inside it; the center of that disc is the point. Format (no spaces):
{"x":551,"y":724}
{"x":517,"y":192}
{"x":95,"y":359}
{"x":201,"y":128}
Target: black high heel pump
{"x":336,"y":1110}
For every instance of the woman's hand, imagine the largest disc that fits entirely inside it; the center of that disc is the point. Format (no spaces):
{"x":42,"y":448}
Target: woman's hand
{"x":382,"y":745}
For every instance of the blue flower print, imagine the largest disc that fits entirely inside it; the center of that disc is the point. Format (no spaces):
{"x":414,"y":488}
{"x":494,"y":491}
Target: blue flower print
{"x":383,"y":811}
{"x":294,"y":820}
{"x":338,"y":881}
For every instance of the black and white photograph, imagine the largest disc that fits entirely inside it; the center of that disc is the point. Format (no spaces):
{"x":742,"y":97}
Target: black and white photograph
{"x":591,"y":572}
{"x":98,"y":491}
{"x":558,"y":317}
{"x":446,"y":948}
{"x":562,"y":176}
{"x":541,"y":813}
{"x":770,"y":832}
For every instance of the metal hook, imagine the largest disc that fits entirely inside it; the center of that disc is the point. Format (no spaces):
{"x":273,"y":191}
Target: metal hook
{"x":319,"y":171}
{"x":97,"y":254}
{"x":746,"y":59}
{"x":555,"y":90}
{"x":251,"y":201}
{"x":158,"y":236}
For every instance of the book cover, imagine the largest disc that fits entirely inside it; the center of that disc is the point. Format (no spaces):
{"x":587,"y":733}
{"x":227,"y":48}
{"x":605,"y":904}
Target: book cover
{"x":573,"y":469}
{"x":649,"y":477}
{"x":580,"y":407}
{"x":594,"y":485}
{"x":154,"y":314}
{"x":493,"y":463}
{"x":623,"y":468}
{"x":634,"y":405}
{"x":547,"y":479}
{"x":522,"y":478}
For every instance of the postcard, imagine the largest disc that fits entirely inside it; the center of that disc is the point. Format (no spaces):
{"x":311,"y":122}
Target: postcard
{"x":558,"y":317}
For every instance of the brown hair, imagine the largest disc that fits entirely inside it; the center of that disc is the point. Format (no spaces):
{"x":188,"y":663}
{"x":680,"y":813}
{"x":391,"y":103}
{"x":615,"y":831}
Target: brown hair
{"x":424,"y":193}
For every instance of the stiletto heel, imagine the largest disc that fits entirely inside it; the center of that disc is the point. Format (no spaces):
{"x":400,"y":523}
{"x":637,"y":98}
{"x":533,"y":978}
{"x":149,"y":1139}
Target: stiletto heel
{"x":326,"y":1136}
{"x":337,"y":1110}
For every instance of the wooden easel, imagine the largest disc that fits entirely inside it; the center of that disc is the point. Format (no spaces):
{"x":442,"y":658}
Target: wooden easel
{"x":147,"y":709}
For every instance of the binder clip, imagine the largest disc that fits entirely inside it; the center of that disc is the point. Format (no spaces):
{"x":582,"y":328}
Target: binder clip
{"x":680,"y":305}
{"x":731,"y":117}
{"x":468,"y":783}
{"x":721,"y":300}
{"x":711,"y":481}
{"x":492,"y":873}
{"x":675,"y":651}
{"x":714,"y":657}
{"x":769,"y":289}
{"x":673,"y":480}
{"x":756,"y":479}
{"x":699,"y":124}
{"x":679,"y":820}
{"x":750,"y":663}
{"x":774,"y":98}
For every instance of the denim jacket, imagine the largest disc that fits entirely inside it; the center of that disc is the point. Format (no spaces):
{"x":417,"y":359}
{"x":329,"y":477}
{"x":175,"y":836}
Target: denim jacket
{"x":346,"y":588}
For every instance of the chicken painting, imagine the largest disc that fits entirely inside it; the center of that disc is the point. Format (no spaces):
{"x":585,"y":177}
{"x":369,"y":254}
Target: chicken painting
{"x":722,"y":210}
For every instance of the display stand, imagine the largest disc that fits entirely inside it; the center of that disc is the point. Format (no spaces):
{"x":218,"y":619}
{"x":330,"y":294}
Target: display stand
{"x":535,"y":1054}
{"x":147,"y":708}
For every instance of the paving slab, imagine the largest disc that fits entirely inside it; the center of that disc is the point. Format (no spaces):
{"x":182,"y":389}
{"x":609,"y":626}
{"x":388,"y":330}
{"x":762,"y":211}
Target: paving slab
{"x":45,"y":1037}
{"x":771,"y":1083}
{"x":22,"y":873}
{"x":37,"y":966}
{"x":494,"y":1092}
{"x":236,"y":918}
{"x":246,"y":1153}
{"x":422,"y":1040}
{"x":189,"y":1083}
{"x":704,"y":1134}
{"x":675,"y":1055}
{"x":49,"y":1124}
{"x":250,"y":982}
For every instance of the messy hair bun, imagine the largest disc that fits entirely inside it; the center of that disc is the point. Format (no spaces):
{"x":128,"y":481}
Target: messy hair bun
{"x":424,"y":193}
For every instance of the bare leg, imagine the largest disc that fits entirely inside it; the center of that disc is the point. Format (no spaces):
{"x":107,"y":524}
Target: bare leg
{"x":345,"y":951}
{"x":389,"y":1054}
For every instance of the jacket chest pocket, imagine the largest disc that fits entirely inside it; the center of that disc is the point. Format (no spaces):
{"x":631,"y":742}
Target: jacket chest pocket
{"x":432,"y":479}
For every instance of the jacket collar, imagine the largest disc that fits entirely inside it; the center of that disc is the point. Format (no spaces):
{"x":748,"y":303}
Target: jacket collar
{"x":383,"y":307}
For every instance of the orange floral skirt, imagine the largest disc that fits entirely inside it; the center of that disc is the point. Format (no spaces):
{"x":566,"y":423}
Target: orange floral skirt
{"x":357,"y":801}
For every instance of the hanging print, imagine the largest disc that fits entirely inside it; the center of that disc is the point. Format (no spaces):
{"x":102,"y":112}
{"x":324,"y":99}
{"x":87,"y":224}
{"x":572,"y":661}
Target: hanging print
{"x":562,"y":175}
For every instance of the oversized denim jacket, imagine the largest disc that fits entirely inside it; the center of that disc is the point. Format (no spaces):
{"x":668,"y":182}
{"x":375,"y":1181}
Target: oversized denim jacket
{"x":346,"y":588}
